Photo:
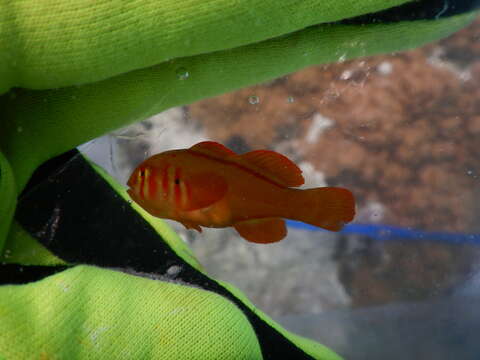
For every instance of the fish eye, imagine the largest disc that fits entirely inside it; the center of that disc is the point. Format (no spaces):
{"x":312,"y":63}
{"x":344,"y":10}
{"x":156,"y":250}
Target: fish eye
{"x":142,"y":172}
{"x":177,"y":181}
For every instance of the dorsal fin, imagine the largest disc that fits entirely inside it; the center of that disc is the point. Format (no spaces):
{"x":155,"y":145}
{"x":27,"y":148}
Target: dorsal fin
{"x":273,"y":165}
{"x":212,"y":148}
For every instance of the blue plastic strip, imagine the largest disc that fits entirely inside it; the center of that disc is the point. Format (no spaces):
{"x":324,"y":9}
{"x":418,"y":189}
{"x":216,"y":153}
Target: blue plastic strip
{"x":387,"y":232}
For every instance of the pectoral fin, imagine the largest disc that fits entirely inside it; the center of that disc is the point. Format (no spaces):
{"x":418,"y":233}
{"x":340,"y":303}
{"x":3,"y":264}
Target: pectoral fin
{"x":203,"y":190}
{"x":262,"y":231}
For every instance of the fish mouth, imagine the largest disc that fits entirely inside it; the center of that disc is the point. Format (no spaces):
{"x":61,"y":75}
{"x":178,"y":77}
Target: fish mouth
{"x":131,"y":193}
{"x":130,"y":182}
{"x":130,"y":188}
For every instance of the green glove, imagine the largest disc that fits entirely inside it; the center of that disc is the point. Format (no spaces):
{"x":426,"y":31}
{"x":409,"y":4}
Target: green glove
{"x":72,"y":71}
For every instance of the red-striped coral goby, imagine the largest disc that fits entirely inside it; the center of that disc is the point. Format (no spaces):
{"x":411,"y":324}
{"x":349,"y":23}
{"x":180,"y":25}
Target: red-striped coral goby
{"x":209,"y":185}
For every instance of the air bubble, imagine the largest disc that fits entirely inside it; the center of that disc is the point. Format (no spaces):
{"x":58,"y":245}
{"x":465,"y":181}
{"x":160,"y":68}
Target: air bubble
{"x":253,"y":99}
{"x":385,"y":68}
{"x":472,"y":173}
{"x":19,"y":129}
{"x":182,"y":73}
{"x":347,"y":74}
{"x":290,"y":99}
{"x":173,"y":270}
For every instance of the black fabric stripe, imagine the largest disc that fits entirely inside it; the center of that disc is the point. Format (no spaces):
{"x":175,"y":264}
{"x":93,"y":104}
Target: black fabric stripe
{"x":417,"y":10}
{"x":19,"y":274}
{"x":47,"y":169}
{"x":77,"y":215}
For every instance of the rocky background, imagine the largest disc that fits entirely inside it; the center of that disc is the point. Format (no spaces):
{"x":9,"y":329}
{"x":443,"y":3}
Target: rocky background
{"x":401,"y":131}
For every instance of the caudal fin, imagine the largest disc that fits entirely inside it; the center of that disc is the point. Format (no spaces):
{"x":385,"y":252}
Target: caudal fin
{"x":328,"y":207}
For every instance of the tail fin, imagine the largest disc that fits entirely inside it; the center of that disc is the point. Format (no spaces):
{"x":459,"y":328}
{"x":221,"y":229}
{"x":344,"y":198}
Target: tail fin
{"x":328,"y":207}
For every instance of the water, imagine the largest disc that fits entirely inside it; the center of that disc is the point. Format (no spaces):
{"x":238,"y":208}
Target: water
{"x":400,"y":131}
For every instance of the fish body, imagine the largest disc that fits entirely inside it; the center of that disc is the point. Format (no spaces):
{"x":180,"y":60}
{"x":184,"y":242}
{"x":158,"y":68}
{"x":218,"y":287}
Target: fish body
{"x":211,"y":186}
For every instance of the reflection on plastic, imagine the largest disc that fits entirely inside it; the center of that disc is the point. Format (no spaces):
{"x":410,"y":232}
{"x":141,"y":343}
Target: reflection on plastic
{"x":387,"y":232}
{"x":440,"y":329}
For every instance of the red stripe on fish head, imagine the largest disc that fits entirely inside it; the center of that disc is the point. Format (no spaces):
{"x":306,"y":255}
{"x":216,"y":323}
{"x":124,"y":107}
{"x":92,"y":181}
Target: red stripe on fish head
{"x":141,"y":182}
{"x":165,"y":181}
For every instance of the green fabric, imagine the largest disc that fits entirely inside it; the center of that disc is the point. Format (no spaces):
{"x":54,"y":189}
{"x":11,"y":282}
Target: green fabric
{"x":56,"y":43}
{"x":22,"y":248}
{"x":102,"y":309}
{"x":74,"y":70}
{"x":87,"y":312}
{"x":7,"y":198}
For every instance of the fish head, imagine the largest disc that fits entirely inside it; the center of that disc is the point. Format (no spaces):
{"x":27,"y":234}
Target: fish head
{"x":137,"y":179}
{"x":149,"y":185}
{"x":138,"y":185}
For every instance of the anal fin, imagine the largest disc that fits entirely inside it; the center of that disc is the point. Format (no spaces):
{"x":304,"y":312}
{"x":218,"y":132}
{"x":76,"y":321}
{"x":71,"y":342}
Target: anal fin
{"x":263,"y":231}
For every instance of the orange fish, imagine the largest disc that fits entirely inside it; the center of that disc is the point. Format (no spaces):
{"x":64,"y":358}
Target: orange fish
{"x":210,"y":185}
